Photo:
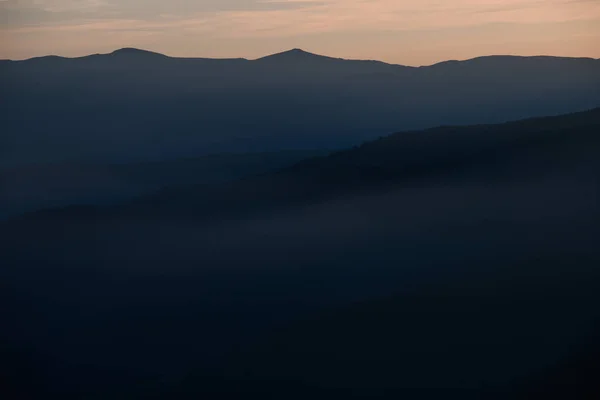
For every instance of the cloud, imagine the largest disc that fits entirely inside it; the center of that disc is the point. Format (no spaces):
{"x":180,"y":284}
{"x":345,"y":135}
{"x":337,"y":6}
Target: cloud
{"x":40,"y":12}
{"x":393,"y":15}
{"x":55,"y":6}
{"x":171,"y":24}
{"x":298,"y":17}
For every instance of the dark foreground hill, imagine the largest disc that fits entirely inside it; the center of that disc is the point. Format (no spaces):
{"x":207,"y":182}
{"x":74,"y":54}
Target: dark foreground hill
{"x":134,"y":105}
{"x":453,"y":261}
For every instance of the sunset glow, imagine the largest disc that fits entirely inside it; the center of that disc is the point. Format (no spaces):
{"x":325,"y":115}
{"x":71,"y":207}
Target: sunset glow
{"x":400,"y":31}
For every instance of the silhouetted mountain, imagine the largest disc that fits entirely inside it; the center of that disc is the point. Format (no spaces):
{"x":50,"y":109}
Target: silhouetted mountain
{"x":132,"y":52}
{"x":134,"y":105}
{"x":296,"y":56}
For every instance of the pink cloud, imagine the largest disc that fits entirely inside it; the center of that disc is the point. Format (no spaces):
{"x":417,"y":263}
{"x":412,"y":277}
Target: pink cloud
{"x":225,"y":32}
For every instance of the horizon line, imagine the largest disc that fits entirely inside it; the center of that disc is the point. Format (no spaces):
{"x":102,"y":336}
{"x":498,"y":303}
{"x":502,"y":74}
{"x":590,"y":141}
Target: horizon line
{"x":302,"y":51}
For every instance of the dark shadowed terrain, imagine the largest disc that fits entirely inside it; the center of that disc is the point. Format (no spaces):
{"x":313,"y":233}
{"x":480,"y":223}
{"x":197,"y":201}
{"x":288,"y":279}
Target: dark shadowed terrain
{"x":458,"y":260}
{"x":34,"y":186}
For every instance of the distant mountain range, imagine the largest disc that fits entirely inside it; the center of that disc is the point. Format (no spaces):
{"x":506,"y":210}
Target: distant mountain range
{"x":292,"y":56}
{"x":133,"y":105}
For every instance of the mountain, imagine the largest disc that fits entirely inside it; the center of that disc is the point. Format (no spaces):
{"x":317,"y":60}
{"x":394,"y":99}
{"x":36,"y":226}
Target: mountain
{"x":459,"y":259}
{"x":443,"y":153}
{"x":133,"y":52}
{"x":297,"y":56}
{"x":133,"y":105}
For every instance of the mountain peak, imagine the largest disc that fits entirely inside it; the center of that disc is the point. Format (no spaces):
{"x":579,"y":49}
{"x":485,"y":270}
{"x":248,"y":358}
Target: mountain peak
{"x":295,"y":55}
{"x":298,"y":51}
{"x":133,"y":52}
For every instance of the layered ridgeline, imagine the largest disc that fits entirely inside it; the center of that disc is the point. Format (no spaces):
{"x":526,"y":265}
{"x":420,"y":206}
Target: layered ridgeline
{"x":133,"y":105}
{"x":105,"y":127}
{"x":479,"y":154}
{"x":452,"y":260}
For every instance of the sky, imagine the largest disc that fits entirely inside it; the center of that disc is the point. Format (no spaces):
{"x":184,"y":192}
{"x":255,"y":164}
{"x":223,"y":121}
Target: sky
{"x":410,"y":32}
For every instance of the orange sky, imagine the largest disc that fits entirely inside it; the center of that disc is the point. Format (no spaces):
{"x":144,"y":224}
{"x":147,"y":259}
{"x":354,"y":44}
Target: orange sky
{"x":400,"y":31}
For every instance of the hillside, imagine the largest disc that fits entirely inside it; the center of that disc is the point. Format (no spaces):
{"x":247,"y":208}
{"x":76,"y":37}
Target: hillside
{"x":460,"y":259}
{"x":452,"y":154}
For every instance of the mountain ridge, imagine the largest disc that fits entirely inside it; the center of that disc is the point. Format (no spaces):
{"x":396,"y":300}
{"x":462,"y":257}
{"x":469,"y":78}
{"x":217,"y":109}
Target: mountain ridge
{"x":289,"y":101}
{"x":295,"y":54}
{"x":405,"y":154}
